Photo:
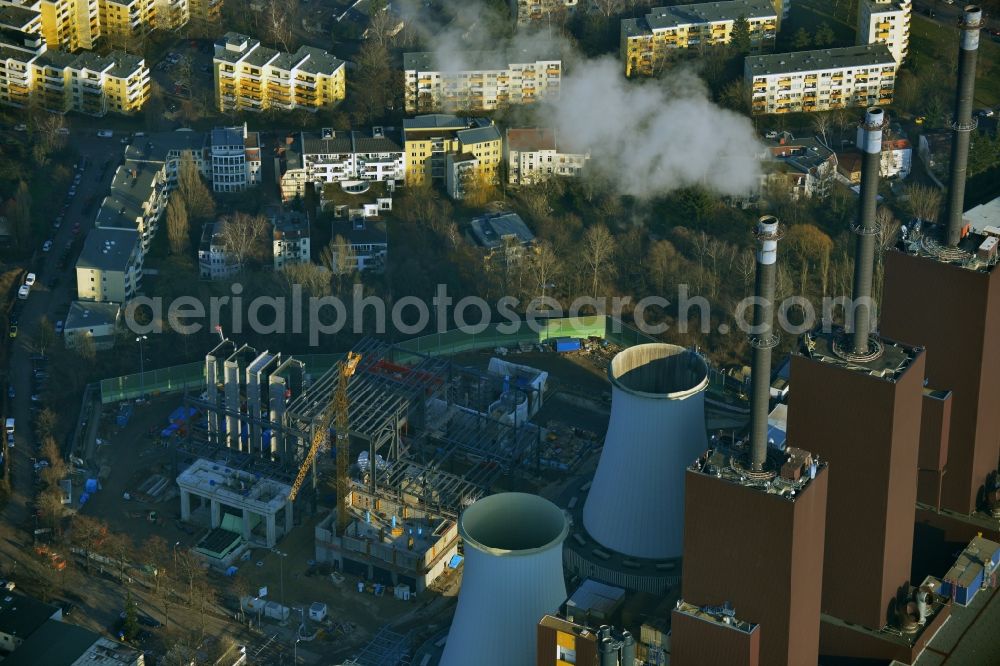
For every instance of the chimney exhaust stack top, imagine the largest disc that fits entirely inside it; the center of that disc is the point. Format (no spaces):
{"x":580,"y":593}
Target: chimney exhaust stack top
{"x":971,"y":23}
{"x":964,"y":123}
{"x":763,"y":339}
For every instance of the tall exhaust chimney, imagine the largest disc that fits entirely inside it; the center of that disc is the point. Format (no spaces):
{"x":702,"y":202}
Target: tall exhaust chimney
{"x":763,"y":338}
{"x":870,"y":143}
{"x":972,"y":21}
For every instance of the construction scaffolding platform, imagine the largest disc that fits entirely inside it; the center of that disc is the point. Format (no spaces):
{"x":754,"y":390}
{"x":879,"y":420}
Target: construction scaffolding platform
{"x":387,"y":648}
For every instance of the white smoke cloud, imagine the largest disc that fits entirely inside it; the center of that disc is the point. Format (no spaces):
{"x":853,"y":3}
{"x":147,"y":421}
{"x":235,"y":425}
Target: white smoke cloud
{"x":651,"y":137}
{"x":646,"y":137}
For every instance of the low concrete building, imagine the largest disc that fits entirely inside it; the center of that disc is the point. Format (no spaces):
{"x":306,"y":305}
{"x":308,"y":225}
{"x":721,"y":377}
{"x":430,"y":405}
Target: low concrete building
{"x":393,"y":551}
{"x":289,"y":239}
{"x":110,"y":266}
{"x":496,"y":232}
{"x":532,"y":156}
{"x":61,"y":644}
{"x":20,"y":617}
{"x":367,"y":243}
{"x":95,"y":321}
{"x":261,"y":505}
{"x":215,"y":261}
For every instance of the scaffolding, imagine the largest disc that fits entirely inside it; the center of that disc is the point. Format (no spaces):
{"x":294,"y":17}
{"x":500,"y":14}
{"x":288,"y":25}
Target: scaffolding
{"x":387,"y":648}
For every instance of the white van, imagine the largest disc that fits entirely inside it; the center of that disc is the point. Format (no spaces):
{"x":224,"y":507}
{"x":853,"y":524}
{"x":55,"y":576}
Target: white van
{"x":10,"y":426}
{"x":23,"y":291}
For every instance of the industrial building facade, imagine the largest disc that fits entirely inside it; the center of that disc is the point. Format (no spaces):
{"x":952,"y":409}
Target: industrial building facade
{"x":873,"y":455}
{"x":648,"y":42}
{"x":820,"y":80}
{"x":957,"y":320}
{"x":486,"y":81}
{"x":761,"y":551}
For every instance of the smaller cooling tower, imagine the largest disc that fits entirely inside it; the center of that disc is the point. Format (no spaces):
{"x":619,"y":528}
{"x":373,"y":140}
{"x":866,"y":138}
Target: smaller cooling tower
{"x":513,"y":576}
{"x":636,"y":502}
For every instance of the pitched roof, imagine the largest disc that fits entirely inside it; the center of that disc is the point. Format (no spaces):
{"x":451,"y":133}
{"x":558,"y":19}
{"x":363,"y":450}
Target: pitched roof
{"x":531,"y":139}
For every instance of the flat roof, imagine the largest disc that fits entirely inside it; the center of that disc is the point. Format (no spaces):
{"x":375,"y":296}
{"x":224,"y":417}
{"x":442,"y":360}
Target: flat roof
{"x":21,"y":616}
{"x":489,"y":230}
{"x":531,"y":138}
{"x":593,"y":596}
{"x":108,"y":249}
{"x":866,"y":55}
{"x":88,"y":314}
{"x":423,"y":531}
{"x":828,"y":347}
{"x":61,"y":644}
{"x":478,"y":134}
{"x":792,"y":468}
{"x":158,"y":146}
{"x":721,"y":615}
{"x":471,"y":61}
{"x":662,"y":18}
{"x":984,"y":215}
{"x":234,"y":487}
{"x":18,"y":17}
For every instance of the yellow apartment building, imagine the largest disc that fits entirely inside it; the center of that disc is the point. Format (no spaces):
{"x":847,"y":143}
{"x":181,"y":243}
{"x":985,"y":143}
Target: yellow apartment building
{"x":648,"y":42}
{"x":251,"y":77}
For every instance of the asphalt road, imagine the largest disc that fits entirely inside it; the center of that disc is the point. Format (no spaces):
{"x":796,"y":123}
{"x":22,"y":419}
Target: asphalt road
{"x":54,"y":304}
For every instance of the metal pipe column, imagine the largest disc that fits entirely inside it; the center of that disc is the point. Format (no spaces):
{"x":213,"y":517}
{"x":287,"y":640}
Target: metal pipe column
{"x":963,"y":122}
{"x":762,"y":337}
{"x":869,"y":141}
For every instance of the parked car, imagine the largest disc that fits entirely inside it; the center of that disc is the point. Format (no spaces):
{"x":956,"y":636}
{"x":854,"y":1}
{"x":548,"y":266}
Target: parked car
{"x":12,"y":332}
{"x":59,"y":327}
{"x":46,"y":246}
{"x":23,"y":291}
{"x":29,"y":279}
{"x":105,"y":134}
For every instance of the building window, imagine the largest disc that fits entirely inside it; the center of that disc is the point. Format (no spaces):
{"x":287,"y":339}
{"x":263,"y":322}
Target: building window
{"x":565,"y":654}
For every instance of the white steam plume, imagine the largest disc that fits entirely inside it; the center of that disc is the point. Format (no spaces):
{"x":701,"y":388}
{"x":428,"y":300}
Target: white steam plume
{"x":646,"y":137}
{"x":655,"y":136}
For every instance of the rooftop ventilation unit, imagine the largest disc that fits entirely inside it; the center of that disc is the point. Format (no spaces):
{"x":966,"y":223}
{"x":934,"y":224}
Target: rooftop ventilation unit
{"x":513,"y":576}
{"x":636,"y":502}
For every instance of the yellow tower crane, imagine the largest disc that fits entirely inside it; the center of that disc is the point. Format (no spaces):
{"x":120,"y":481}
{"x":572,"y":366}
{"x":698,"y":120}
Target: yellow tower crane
{"x":340,"y":408}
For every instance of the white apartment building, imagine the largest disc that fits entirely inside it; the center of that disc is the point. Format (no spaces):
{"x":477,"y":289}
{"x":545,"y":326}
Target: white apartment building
{"x":329,"y":156}
{"x":235,"y":159}
{"x":289,"y":239}
{"x":487,"y":81}
{"x":820,"y":80}
{"x":110,"y":266}
{"x":885,"y":22}
{"x":532,"y":156}
{"x":137,"y":201}
{"x":215,"y":262}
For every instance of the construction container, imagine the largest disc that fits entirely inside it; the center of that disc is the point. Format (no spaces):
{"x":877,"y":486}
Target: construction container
{"x":563,"y":345}
{"x":988,"y":249}
{"x":276,"y":611}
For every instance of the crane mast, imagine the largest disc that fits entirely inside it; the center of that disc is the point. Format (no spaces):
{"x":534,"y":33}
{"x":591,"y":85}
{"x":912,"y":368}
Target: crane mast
{"x":340,"y":408}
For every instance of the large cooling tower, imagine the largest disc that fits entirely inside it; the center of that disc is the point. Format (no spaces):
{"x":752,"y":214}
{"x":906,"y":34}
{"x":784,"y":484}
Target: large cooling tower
{"x":636,"y":502}
{"x":513,"y":576}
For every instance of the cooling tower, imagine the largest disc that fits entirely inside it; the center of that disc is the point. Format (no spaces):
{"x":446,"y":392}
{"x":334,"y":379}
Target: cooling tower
{"x":636,"y":502}
{"x":513,"y":576}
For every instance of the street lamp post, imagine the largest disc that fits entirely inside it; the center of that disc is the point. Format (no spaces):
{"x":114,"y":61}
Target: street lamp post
{"x":142,"y":373}
{"x":281,"y":570}
{"x":295,"y":651}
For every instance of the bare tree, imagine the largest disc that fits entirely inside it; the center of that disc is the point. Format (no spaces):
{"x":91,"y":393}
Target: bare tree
{"x":192,"y":189}
{"x":314,"y":279}
{"x":88,"y":534}
{"x":598,"y":248}
{"x":821,"y":123}
{"x":178,"y":227}
{"x":888,"y":231}
{"x":339,"y":257}
{"x":279,"y":28}
{"x":243,"y":236}
{"x":748,"y":268}
{"x":45,"y":335}
{"x":923,"y":202}
{"x":544,"y":265}
{"x":608,"y":8}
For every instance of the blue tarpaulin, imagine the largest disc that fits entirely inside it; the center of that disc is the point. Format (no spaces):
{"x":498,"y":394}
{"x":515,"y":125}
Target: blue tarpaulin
{"x":454,"y":562}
